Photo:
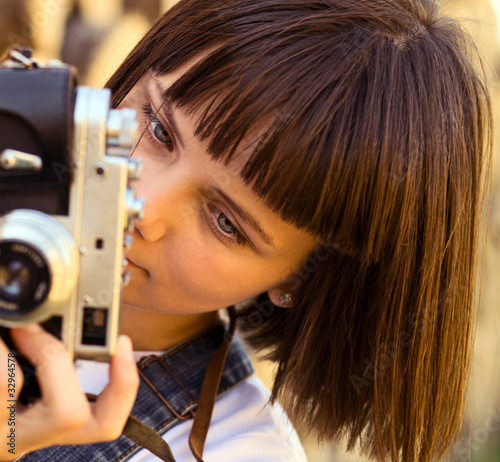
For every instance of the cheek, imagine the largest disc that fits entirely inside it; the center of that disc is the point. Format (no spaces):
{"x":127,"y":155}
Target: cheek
{"x":212,"y":274}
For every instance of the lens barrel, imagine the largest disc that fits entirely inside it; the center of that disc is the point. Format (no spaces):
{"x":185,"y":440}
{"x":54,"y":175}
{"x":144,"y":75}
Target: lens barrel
{"x":38,"y":267}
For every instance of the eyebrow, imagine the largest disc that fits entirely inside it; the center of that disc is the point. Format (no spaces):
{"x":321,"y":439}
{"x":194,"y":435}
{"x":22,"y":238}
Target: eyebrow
{"x":166,"y":108}
{"x":246,"y":216}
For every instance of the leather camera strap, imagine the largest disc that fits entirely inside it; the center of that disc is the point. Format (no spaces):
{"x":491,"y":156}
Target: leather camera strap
{"x":209,"y":391}
{"x":146,"y":437}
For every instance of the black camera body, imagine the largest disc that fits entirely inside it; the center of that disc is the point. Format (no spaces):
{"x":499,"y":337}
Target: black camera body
{"x":65,"y":204}
{"x":36,"y":117}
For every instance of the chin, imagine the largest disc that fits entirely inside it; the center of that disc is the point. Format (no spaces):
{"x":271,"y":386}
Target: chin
{"x":125,"y":305}
{"x":133,"y":301}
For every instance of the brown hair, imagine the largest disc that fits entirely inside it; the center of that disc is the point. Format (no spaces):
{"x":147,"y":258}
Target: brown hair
{"x":377,"y":146}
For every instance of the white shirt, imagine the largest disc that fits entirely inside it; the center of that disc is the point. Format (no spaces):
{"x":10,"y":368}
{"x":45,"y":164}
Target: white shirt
{"x":244,"y":427}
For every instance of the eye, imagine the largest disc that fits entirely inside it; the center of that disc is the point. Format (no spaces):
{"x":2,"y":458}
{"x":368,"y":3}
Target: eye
{"x":224,"y":228}
{"x":225,"y":224}
{"x":155,"y":130}
{"x":160,"y":132}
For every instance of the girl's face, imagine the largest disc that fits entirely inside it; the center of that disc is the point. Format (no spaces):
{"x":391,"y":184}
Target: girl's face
{"x":207,"y":240}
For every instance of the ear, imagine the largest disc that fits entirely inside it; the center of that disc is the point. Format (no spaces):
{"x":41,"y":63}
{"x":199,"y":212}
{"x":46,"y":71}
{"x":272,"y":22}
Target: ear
{"x":281,"y":296}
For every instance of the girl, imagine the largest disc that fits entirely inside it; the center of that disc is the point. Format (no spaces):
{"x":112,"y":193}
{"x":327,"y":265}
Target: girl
{"x":319,"y":165}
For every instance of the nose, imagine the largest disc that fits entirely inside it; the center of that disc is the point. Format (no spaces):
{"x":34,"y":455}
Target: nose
{"x":169,"y":205}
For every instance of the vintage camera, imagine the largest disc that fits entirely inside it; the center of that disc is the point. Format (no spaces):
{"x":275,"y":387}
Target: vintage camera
{"x":65,"y":204}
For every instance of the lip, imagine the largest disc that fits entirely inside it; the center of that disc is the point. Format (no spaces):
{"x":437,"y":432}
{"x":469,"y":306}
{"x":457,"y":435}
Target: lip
{"x":131,"y":263}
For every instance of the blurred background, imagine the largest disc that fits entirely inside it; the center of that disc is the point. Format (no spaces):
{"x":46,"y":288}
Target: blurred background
{"x":96,"y":35}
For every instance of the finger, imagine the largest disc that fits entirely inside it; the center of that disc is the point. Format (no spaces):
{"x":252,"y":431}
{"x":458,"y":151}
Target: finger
{"x":59,"y":386}
{"x":115,"y":403}
{"x":110,"y":411}
{"x":63,"y":407}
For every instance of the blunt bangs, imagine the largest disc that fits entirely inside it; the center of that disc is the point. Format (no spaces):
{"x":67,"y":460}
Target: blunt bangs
{"x":287,"y":166}
{"x":337,"y":151}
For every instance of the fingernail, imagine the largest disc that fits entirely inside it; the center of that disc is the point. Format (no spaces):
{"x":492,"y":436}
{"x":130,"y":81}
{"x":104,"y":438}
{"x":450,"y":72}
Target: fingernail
{"x":124,"y":347}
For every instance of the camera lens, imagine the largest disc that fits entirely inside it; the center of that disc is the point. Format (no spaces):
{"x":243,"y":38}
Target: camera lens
{"x":15,"y":278}
{"x":24,"y":278}
{"x":39,"y":267}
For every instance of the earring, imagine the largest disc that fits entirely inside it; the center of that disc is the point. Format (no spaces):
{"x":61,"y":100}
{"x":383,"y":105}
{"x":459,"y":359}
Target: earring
{"x":286,"y":299}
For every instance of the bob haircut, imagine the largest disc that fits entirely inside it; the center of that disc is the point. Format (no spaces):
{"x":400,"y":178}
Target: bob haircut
{"x":378,"y":145}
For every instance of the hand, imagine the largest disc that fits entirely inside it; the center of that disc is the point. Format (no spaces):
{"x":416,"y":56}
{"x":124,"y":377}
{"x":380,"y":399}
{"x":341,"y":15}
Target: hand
{"x":63,"y":414}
